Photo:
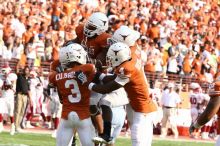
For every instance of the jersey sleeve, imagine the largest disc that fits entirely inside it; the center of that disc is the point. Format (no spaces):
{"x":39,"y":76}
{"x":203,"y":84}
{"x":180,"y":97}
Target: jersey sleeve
{"x":123,"y":76}
{"x":54,"y":65}
{"x":103,"y":40}
{"x":79,"y":31}
{"x":90,"y":71}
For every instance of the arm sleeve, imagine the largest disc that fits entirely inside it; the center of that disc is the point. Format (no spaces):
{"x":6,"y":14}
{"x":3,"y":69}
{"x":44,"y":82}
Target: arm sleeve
{"x":122,"y":81}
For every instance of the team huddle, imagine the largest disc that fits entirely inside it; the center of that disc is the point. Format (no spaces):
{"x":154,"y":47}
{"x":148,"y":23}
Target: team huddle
{"x":97,"y":74}
{"x":99,"y":79}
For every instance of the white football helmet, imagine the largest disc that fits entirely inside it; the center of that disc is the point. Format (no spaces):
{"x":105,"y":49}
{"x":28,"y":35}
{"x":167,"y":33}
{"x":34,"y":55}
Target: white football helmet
{"x":125,"y":35}
{"x":96,"y":24}
{"x":194,"y":85}
{"x":117,"y":54}
{"x":33,"y":74}
{"x":72,"y":53}
{"x":6,"y":70}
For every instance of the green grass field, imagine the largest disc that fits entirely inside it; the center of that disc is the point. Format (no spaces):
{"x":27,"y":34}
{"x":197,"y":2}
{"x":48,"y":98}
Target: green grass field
{"x":46,"y":140}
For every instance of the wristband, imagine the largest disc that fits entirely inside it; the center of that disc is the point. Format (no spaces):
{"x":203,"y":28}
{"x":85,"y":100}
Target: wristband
{"x":102,"y":76}
{"x":91,"y":85}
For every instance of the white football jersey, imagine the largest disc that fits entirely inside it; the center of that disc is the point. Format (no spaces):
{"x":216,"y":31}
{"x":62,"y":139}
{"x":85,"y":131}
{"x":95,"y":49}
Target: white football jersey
{"x":198,"y":98}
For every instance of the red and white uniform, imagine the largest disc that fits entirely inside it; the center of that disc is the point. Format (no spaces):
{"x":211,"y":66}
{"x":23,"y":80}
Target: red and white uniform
{"x":75,"y":111}
{"x":156,"y":95}
{"x":141,"y":110}
{"x":8,"y":92}
{"x":54,"y":107}
{"x":36,"y":90}
{"x":197,"y":100}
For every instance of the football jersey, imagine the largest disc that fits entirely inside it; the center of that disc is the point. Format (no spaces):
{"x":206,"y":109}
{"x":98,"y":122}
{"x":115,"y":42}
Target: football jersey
{"x":94,"y":45}
{"x":136,"y":87}
{"x":7,"y":81}
{"x":197,"y":98}
{"x":193,"y":100}
{"x":136,"y":56}
{"x":75,"y":95}
{"x":54,"y":65}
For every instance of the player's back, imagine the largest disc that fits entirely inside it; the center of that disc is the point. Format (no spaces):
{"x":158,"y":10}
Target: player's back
{"x":75,"y":95}
{"x":136,"y":88}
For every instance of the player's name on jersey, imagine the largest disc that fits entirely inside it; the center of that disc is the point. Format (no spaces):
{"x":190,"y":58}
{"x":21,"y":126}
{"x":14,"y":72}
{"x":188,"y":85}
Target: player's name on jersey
{"x":69,"y":75}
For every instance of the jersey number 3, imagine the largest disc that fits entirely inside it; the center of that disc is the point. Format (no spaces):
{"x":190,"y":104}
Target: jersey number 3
{"x":75,"y":93}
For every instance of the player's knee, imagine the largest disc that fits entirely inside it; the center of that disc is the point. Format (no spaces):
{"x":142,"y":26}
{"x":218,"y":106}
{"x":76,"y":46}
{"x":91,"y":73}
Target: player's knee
{"x":94,"y":110}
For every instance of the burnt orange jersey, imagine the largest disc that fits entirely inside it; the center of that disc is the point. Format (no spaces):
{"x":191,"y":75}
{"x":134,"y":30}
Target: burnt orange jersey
{"x":136,"y":88}
{"x":136,"y":56}
{"x":75,"y":95}
{"x":94,"y":45}
{"x":54,"y":65}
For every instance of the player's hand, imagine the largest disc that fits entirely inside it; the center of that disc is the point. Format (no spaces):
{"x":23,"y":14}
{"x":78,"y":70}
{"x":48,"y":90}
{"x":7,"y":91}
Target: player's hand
{"x":81,"y":77}
{"x":98,"y":65}
{"x":96,"y":77}
{"x":59,"y":69}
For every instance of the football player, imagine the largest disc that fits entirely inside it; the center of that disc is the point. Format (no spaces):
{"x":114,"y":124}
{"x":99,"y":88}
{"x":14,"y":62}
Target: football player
{"x":74,"y":92}
{"x":37,"y":97}
{"x":93,"y":37}
{"x":8,"y":93}
{"x":128,"y":36}
{"x":194,"y":104}
{"x":198,"y":102}
{"x":54,"y":107}
{"x":141,"y":109}
{"x":212,"y":108}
